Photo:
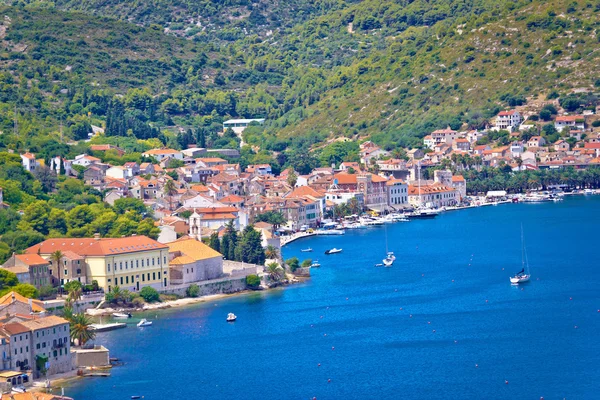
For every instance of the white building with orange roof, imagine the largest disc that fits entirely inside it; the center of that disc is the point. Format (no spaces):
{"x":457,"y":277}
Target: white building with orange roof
{"x":160,"y":154}
{"x":29,"y":162}
{"x":213,"y":218}
{"x":193,"y":261}
{"x":508,"y":119}
{"x":128,"y":262}
{"x":433,"y":195}
{"x":569,"y":121}
{"x":209,"y":162}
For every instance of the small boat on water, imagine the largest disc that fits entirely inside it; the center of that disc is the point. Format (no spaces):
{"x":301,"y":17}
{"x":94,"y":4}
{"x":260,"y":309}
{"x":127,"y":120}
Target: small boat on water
{"x":388,"y":261}
{"x":144,"y":322}
{"x":523,"y":275}
{"x":231,"y":317}
{"x":333,"y":251}
{"x":121,"y":315}
{"x":315,"y":264}
{"x":306,"y":250}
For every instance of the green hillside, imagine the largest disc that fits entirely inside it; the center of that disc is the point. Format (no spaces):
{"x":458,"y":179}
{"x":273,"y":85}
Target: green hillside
{"x":391,"y":71}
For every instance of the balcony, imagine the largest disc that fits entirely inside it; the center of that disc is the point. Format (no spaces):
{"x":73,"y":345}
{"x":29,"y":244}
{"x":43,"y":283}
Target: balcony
{"x":58,"y":346}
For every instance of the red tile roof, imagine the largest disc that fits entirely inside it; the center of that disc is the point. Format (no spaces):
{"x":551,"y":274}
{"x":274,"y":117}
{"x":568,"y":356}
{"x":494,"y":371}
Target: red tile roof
{"x":97,"y":247}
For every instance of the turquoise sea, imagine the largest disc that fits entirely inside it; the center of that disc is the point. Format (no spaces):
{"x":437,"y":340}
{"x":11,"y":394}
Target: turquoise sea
{"x":442,"y":323}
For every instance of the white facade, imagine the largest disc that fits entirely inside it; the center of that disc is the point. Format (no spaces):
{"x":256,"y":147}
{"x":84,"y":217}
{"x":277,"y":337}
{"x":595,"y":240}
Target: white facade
{"x":508,"y":119}
{"x":118,"y":172}
{"x":397,"y":193}
{"x":29,"y":162}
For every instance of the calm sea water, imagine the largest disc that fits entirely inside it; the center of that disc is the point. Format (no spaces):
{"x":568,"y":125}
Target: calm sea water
{"x":470,"y":330}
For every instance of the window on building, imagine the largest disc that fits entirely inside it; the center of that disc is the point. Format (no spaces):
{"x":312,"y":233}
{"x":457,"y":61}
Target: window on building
{"x":143,"y":278}
{"x":66,"y":272}
{"x":137,"y":263}
{"x":154,"y":276}
{"x":152,"y":261}
{"x":126,"y":279}
{"x":142,"y":262}
{"x":121,"y":280}
{"x":108,"y":267}
{"x":37,"y":346}
{"x":164,"y":260}
{"x":78,"y":272}
{"x":121,"y":265}
{"x":43,"y":345}
{"x":126,"y":264}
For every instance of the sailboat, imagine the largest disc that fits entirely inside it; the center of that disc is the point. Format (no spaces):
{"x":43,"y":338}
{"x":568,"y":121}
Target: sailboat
{"x":389,"y":255}
{"x":523,"y":275}
{"x":422,"y":212}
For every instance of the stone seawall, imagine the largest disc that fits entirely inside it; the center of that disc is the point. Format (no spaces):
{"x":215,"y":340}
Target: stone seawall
{"x":225,"y":285}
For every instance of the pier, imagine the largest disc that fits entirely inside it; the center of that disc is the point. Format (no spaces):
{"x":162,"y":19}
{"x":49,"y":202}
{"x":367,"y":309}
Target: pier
{"x":108,"y":327}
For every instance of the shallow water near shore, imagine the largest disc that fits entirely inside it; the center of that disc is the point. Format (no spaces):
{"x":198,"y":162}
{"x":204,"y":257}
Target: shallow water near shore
{"x":442,"y":323}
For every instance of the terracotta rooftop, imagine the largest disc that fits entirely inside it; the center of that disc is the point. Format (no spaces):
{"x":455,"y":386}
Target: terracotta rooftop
{"x":191,"y":250}
{"x":44,"y":322}
{"x":97,"y":247}
{"x":31,"y":259}
{"x":36,"y":305}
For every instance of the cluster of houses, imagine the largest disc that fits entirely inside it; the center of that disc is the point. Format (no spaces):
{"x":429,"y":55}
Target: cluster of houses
{"x":533,"y":153}
{"x":32,"y":343}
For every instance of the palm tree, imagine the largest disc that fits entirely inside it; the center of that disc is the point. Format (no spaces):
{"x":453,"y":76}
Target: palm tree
{"x":81,"y":329}
{"x":75,"y":293}
{"x":271,"y":252}
{"x":56,"y":258}
{"x":170,"y":189}
{"x":274,"y":271}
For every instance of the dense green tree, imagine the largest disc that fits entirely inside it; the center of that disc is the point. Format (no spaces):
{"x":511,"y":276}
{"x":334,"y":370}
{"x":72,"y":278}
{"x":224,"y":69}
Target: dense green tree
{"x":251,"y":249}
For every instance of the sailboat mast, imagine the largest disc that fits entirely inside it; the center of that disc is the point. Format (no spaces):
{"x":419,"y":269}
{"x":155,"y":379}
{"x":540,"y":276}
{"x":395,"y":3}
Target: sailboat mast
{"x":419,"y":174}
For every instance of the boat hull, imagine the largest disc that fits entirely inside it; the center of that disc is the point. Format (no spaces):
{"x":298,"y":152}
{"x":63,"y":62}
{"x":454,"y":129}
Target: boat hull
{"x":515,"y":280}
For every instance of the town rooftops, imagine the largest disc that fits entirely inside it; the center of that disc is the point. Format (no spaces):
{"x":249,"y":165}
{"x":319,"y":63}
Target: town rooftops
{"x":305,"y":191}
{"x":28,"y":155}
{"x":458,"y":178}
{"x":191,"y":250}
{"x":10,"y":297}
{"x":97,"y":246}
{"x":14,"y":328}
{"x":507,"y":113}
{"x":31,"y":259}
{"x":157,"y":152}
{"x":570,"y":118}
{"x":44,"y":322}
{"x":428,"y":189}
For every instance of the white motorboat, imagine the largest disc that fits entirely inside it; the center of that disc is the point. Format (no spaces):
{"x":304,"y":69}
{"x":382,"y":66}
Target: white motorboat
{"x":315,"y":264}
{"x":588,"y":191}
{"x":231,"y":317}
{"x":306,"y":250}
{"x":396,"y":217}
{"x":523,"y":275}
{"x":423,"y":213}
{"x":144,"y":322}
{"x":329,"y":232}
{"x":333,"y":251}
{"x":121,"y":315}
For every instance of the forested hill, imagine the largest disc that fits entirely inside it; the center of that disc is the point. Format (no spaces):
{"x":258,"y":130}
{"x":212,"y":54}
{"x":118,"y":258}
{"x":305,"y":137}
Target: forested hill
{"x":388,"y":70}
